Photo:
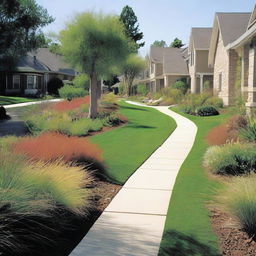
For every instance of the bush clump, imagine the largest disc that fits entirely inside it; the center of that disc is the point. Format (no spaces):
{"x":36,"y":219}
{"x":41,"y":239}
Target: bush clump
{"x":238,"y":197}
{"x":180,"y":85}
{"x":231,"y":159}
{"x":70,"y":92}
{"x":207,"y":111}
{"x":142,"y":90}
{"x":248,"y":132}
{"x":3,"y":114}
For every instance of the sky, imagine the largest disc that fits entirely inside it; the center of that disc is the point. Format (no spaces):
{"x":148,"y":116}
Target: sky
{"x":158,"y":19}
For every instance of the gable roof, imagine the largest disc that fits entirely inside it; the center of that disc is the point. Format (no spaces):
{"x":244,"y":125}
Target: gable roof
{"x":174,"y":62}
{"x":200,"y":37}
{"x":54,"y":62}
{"x":156,"y":54}
{"x":252,"y":18}
{"x":232,"y":25}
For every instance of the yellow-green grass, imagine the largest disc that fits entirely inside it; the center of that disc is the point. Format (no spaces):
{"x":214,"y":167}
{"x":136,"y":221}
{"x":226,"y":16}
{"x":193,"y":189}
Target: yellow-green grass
{"x":9,"y":100}
{"x":127,"y":147}
{"x":188,"y":229}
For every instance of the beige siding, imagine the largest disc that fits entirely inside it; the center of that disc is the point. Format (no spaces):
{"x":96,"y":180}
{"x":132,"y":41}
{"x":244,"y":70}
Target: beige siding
{"x":171,"y":79}
{"x":159,"y":69}
{"x":202,"y":62}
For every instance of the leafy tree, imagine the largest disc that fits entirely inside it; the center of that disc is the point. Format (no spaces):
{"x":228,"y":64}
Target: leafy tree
{"x":82,"y":81}
{"x":130,"y":21}
{"x":161,"y":43}
{"x":133,"y":66}
{"x":20,"y":23}
{"x":97,"y":45}
{"x":177,"y":43}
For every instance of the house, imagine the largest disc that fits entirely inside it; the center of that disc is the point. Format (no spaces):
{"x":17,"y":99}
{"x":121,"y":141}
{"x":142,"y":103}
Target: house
{"x":35,"y":74}
{"x":198,"y":50}
{"x":227,"y":28}
{"x":166,"y":66}
{"x":245,"y":47}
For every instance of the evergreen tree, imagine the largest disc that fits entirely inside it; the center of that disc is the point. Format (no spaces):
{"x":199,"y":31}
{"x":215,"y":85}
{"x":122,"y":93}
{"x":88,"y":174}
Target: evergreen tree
{"x":177,"y":43}
{"x":161,"y":43}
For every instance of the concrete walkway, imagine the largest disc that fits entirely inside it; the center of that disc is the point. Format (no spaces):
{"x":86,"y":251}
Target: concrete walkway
{"x":133,"y":223}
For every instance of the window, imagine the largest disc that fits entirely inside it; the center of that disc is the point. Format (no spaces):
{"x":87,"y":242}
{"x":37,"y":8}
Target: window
{"x":32,"y":82}
{"x":220,"y":81}
{"x":16,"y":82}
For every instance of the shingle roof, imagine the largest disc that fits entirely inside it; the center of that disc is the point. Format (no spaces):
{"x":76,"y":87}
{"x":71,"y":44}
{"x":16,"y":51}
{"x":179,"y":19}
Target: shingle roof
{"x":232,"y":25}
{"x":174,"y":62}
{"x":30,"y":64}
{"x":156,"y":53}
{"x":201,"y":37}
{"x":55,"y":62}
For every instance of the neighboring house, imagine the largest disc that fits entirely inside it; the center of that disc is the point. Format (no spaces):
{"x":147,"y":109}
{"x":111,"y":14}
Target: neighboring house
{"x":227,"y":28}
{"x":166,"y":66}
{"x":35,"y":74}
{"x":245,"y":46}
{"x":198,"y":51}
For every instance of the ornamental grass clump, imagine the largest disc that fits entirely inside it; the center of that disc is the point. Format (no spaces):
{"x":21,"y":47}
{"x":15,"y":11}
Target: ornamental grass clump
{"x":248,"y":133}
{"x":52,"y":146}
{"x":238,"y":197}
{"x":231,"y":159}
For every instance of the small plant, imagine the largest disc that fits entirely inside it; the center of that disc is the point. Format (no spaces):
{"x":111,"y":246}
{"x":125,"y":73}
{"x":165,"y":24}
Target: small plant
{"x":207,"y":111}
{"x":238,"y":197}
{"x":70,"y":92}
{"x":231,"y":159}
{"x":81,"y":81}
{"x":180,"y":85}
{"x":215,"y":102}
{"x":142,"y":90}
{"x":109,"y":99}
{"x":249,"y":132}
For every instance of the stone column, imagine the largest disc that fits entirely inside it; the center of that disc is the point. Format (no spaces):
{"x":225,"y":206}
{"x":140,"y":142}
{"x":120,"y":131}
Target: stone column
{"x":201,"y":83}
{"x":251,"y":101}
{"x":193,"y":84}
{"x":166,"y":81}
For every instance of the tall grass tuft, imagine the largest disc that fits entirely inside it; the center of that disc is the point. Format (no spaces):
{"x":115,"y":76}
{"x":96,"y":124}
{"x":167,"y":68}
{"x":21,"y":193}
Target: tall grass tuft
{"x":249,"y":132}
{"x":238,"y":197}
{"x":231,"y":159}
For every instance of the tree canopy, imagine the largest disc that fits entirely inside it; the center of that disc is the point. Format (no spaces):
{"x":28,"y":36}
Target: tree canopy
{"x":96,"y":45}
{"x":131,"y":25}
{"x":161,"y":43}
{"x":177,"y":43}
{"x":20,"y":23}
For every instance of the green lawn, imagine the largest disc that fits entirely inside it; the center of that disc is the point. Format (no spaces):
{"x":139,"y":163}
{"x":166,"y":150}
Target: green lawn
{"x":7,"y":100}
{"x":188,"y":230}
{"x":127,"y":147}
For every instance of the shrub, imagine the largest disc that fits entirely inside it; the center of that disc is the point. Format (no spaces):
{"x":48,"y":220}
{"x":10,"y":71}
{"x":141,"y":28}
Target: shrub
{"x":71,"y":105}
{"x":249,"y":132}
{"x":81,"y":81}
{"x":70,"y":92}
{"x":114,"y":119}
{"x":180,"y":85}
{"x":121,"y":88}
{"x":52,"y":146}
{"x":234,"y":126}
{"x":215,"y":102}
{"x":238,"y":197}
{"x":142,"y":89}
{"x":109,"y":98}
{"x":231,"y":159}
{"x":82,"y":126}
{"x":207,"y":111}
{"x":218,"y":135}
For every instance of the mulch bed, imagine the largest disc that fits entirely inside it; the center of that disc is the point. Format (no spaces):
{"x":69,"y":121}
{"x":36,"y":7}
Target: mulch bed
{"x":233,"y":241}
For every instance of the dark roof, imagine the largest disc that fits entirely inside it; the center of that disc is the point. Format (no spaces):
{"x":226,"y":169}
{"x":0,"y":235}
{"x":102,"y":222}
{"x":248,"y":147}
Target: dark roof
{"x":201,"y":37}
{"x":174,"y":62}
{"x":156,"y":53}
{"x":232,"y":25}
{"x":55,"y":62}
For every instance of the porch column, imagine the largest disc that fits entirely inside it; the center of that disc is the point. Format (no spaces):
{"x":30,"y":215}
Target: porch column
{"x":251,"y":101}
{"x":201,"y":83}
{"x":166,"y":81}
{"x":193,"y":84}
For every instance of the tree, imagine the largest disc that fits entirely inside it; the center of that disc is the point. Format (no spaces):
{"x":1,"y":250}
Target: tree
{"x":161,"y":43}
{"x":20,"y":23}
{"x":97,"y":45}
{"x":133,"y":66}
{"x":130,"y":21}
{"x":177,"y":43}
{"x":112,"y":80}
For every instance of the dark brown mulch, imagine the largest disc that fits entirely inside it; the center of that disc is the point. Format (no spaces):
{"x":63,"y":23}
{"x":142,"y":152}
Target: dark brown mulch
{"x":233,"y":241}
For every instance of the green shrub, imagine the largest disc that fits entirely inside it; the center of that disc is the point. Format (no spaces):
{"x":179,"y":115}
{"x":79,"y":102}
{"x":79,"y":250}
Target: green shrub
{"x":231,"y":159}
{"x":70,"y":92}
{"x":113,"y":119}
{"x":207,"y":111}
{"x":121,"y":89}
{"x":215,"y":102}
{"x":180,"y":85}
{"x":81,"y":81}
{"x":249,"y":132}
{"x":142,"y":89}
{"x":238,"y":197}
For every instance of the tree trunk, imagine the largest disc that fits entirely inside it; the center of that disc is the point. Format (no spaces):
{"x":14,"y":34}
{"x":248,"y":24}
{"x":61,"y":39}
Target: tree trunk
{"x":93,"y":96}
{"x":99,"y":89}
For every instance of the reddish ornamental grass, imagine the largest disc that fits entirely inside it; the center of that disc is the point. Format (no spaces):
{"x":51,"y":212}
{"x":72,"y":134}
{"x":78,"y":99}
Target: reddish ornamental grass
{"x":51,"y":146}
{"x":218,"y":135}
{"x":71,"y":105}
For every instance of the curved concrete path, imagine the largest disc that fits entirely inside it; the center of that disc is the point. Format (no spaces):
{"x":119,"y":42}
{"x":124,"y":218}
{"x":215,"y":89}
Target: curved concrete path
{"x":133,"y":223}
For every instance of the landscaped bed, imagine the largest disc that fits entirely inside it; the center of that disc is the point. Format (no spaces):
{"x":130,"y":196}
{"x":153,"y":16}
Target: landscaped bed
{"x":119,"y":152}
{"x":8,"y":100}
